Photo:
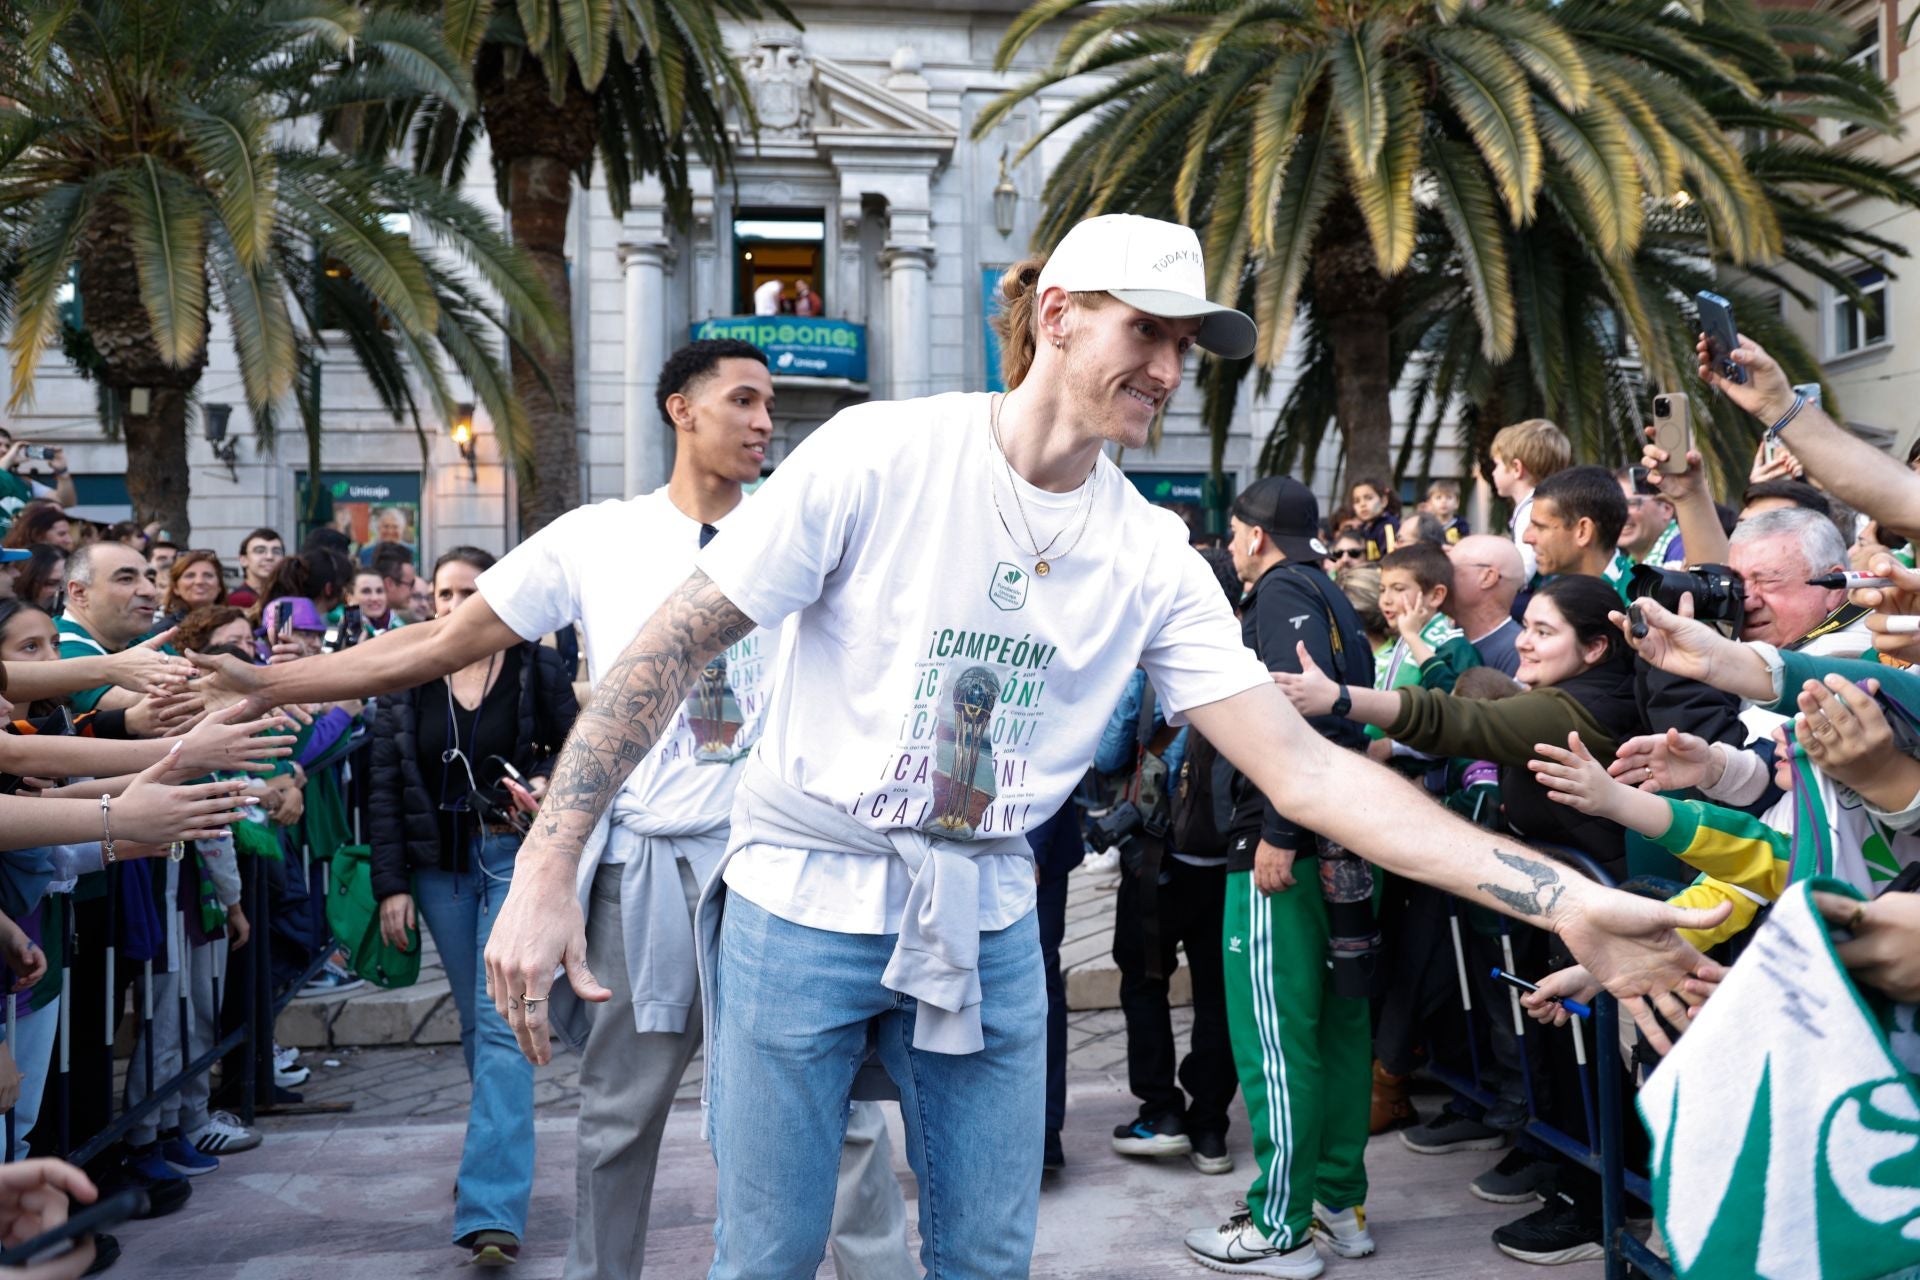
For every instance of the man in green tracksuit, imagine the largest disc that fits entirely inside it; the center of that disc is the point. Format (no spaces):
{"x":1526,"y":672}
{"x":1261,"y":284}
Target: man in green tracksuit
{"x":1304,"y":1054}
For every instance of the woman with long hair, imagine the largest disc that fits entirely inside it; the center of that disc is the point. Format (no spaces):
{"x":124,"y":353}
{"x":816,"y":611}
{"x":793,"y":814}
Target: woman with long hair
{"x":41,"y":522}
{"x":40,"y":580}
{"x":456,"y":763}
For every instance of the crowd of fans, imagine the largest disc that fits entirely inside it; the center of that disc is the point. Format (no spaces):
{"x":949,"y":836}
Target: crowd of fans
{"x":1586,"y":679}
{"x":1545,"y":679}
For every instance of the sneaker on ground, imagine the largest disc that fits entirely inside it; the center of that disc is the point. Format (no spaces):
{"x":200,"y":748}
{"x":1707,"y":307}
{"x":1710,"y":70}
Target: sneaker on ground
{"x":285,"y":1057}
{"x":1162,"y":1137}
{"x":288,"y":1077}
{"x":332,"y":980}
{"x":1451,"y":1131}
{"x":1053,"y":1155}
{"x":1210,"y":1154}
{"x":1555,"y":1233}
{"x":106,"y":1252}
{"x":186,"y":1159}
{"x":494,"y":1249}
{"x":1519,"y":1177}
{"x":223,"y":1135}
{"x":1344,"y":1232}
{"x":144,"y":1170}
{"x":1104,"y":861}
{"x":1237,"y":1247}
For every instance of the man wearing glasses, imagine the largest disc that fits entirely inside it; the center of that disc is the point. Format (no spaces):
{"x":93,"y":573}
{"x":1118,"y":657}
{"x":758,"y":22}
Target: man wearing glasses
{"x":1487,"y":575}
{"x":1348,"y":549}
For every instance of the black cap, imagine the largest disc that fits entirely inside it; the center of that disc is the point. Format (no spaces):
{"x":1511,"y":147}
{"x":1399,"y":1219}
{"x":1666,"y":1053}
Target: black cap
{"x":1288,"y":513}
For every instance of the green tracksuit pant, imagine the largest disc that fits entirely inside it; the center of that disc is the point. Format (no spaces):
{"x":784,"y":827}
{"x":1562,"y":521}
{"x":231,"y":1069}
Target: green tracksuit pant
{"x":1305,"y":1056}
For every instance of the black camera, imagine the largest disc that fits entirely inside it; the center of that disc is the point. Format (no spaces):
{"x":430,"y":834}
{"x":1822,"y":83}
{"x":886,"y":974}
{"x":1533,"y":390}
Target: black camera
{"x":1719,"y":597}
{"x":1126,"y":828}
{"x":1355,"y":966}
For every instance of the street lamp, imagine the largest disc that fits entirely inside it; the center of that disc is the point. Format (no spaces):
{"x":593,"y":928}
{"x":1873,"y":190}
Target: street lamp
{"x":214,"y":422}
{"x":462,"y":432}
{"x":1006,"y":199}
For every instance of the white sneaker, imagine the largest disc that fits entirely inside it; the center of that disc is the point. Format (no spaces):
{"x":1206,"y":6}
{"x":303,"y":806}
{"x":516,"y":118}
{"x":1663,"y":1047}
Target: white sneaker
{"x":284,"y":1058}
{"x":222,"y":1135}
{"x":1102,"y":862}
{"x":1237,"y":1247}
{"x":291,"y":1077}
{"x":1344,"y":1232}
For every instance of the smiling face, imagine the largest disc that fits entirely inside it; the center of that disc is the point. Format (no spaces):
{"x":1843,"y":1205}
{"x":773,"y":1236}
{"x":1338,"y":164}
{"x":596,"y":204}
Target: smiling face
{"x":723,"y":419}
{"x":1119,"y":366}
{"x":118,"y":604}
{"x":196,"y":584}
{"x":370,"y":593}
{"x":1550,"y":652}
{"x":261,"y":556}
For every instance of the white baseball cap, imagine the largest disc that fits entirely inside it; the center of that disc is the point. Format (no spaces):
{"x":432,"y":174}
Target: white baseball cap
{"x":1152,"y":266}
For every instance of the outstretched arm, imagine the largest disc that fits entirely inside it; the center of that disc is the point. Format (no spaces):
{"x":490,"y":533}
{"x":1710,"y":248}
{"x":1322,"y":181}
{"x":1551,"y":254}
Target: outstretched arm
{"x":1629,"y":943}
{"x":540,"y":926}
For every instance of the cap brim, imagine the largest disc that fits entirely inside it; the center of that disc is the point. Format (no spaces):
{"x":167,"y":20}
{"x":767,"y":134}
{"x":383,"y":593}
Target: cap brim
{"x":1299,"y":549}
{"x":1223,"y":331}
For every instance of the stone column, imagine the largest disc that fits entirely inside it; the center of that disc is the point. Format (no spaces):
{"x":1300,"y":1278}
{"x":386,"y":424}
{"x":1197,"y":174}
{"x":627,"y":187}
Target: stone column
{"x":648,"y":456}
{"x":909,"y":319}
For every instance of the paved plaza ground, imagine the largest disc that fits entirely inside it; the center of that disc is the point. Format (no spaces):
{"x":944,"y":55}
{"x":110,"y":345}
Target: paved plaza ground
{"x":366,"y":1195}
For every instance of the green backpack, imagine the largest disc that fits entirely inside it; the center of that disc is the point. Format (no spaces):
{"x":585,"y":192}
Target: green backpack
{"x":354,"y":916}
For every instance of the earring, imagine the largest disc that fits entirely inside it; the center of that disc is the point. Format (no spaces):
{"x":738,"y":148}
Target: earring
{"x":1060,"y":343}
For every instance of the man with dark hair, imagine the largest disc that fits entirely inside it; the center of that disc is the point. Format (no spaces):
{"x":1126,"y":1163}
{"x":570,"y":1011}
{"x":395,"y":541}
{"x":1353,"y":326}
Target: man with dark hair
{"x":1773,"y":495}
{"x":394,"y":563}
{"x":260,"y":554}
{"x":1575,"y":525}
{"x":1286,"y":1021}
{"x":16,"y":490}
{"x":607,"y":567}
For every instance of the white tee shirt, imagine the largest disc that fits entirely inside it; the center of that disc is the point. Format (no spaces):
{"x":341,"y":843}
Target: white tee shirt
{"x":931,"y":679}
{"x":1522,"y":517}
{"x":609,"y":567}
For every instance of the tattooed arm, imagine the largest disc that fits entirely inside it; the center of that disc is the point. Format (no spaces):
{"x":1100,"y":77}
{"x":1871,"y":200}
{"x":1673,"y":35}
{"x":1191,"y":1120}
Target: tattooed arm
{"x":1628,"y":943}
{"x":540,"y":927}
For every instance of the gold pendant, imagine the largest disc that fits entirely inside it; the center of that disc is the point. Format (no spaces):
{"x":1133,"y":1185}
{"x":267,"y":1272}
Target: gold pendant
{"x":1041,"y":568}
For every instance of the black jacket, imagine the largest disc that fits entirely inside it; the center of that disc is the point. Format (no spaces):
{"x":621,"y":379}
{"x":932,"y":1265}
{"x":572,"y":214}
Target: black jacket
{"x":1291,"y":604}
{"x":403,"y":820}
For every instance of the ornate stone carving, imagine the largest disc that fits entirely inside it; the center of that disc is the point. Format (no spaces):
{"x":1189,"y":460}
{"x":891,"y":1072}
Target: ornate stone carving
{"x":781,"y":78}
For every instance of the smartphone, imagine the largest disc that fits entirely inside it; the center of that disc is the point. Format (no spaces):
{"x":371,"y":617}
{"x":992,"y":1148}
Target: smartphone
{"x":59,"y":603}
{"x":1673,"y":430}
{"x":1716,"y":321}
{"x":282,"y":621}
{"x":39,"y":452}
{"x":1641,"y":482}
{"x":108,"y":1212}
{"x":347,"y":634}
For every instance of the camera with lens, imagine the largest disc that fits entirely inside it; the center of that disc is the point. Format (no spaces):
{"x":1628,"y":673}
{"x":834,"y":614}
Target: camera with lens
{"x":1719,"y":597}
{"x":1355,"y":966}
{"x":1129,"y":829}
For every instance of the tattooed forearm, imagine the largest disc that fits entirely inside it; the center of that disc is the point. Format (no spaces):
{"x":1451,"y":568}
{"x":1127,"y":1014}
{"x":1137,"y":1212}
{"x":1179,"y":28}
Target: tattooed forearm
{"x":633,"y":704}
{"x":1541,"y":899}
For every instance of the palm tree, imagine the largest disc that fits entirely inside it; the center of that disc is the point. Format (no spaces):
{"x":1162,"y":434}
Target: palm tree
{"x":150,"y":146}
{"x":1334,"y":154}
{"x":641,"y":85}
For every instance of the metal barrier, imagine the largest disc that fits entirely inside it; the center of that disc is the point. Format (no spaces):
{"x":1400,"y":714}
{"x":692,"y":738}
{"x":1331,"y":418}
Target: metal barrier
{"x":260,"y":1005}
{"x":1606,"y":1111}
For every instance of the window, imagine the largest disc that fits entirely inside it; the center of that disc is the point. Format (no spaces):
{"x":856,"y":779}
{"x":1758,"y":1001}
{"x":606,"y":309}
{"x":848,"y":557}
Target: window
{"x":778,"y":254}
{"x":1865,"y":52}
{"x":1854,"y":327}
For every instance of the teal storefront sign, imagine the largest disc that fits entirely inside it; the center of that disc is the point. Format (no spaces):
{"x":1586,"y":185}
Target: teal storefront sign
{"x":1193,"y":489}
{"x":800,"y":346}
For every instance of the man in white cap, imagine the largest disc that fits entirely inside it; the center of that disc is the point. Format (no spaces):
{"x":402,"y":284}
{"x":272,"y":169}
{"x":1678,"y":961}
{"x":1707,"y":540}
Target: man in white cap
{"x":972,"y":581}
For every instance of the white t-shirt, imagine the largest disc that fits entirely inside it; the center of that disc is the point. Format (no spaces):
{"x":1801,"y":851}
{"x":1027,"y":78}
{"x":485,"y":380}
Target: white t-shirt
{"x":609,"y":567}
{"x":1522,"y":517}
{"x":930,"y":679}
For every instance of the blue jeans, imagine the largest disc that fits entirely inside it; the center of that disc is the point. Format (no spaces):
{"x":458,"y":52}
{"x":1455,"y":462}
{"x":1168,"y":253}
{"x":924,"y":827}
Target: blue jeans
{"x":795,"y":1009}
{"x":33,"y":1055}
{"x":496,"y":1168}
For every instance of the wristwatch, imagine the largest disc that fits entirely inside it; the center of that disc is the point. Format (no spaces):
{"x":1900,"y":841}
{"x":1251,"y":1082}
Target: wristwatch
{"x":1343,"y":703}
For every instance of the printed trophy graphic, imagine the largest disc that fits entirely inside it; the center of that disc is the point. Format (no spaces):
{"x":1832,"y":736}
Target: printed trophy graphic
{"x":715,"y":714}
{"x":963,"y":766}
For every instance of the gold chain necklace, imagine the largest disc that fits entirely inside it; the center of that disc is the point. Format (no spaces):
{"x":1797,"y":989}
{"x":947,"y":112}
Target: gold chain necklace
{"x":1041,"y":565}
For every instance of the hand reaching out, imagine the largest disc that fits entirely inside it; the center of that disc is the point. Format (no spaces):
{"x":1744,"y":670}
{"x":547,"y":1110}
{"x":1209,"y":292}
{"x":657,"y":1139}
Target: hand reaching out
{"x":1572,"y":983}
{"x":1311,"y":691}
{"x":1574,"y":778}
{"x":223,"y":741}
{"x":1887,"y":603}
{"x":1670,"y":761}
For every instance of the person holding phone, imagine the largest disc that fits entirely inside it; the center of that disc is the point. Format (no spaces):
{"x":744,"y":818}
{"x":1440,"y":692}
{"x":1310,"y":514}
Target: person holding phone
{"x":17,"y":490}
{"x":457,"y":764}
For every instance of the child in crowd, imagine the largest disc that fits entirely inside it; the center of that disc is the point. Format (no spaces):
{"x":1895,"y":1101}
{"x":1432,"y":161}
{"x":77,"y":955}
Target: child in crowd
{"x":1524,"y":454}
{"x":1377,"y":507}
{"x":1443,"y":503}
{"x":1415,"y":581}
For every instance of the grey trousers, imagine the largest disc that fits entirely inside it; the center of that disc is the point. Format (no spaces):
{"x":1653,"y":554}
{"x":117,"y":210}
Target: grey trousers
{"x":627,"y":1084}
{"x":187,"y":1109}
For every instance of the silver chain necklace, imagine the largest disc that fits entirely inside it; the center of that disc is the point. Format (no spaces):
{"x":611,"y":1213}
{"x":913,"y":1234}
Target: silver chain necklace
{"x":1041,"y":565}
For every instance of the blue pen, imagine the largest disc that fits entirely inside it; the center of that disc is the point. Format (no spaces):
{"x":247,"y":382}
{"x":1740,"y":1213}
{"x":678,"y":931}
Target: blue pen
{"x":1571,"y":1006}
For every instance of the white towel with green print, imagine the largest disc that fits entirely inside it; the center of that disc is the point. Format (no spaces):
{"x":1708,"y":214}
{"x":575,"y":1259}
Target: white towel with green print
{"x":1786,"y":1123}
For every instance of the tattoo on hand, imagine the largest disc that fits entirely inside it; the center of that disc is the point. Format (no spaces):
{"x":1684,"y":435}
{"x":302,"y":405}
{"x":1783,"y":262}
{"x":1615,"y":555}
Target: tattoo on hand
{"x":635,"y":701}
{"x":1538,"y":901}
